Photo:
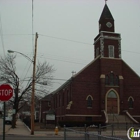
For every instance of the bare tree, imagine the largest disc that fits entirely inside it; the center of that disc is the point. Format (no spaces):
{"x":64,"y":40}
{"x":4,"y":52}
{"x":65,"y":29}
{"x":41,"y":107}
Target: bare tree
{"x":8,"y":75}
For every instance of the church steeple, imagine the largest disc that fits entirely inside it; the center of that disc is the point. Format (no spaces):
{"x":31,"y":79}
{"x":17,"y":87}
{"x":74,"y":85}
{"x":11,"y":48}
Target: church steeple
{"x":107,"y":43}
{"x":106,"y":21}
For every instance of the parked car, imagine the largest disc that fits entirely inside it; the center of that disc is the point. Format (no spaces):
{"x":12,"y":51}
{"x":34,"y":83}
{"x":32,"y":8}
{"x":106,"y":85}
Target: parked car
{"x":8,"y":119}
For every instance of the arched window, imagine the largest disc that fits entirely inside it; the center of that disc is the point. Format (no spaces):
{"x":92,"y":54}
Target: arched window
{"x":130,"y":102}
{"x":106,"y":80}
{"x":89,"y":101}
{"x":111,"y":79}
{"x":112,"y":94}
{"x":116,"y":82}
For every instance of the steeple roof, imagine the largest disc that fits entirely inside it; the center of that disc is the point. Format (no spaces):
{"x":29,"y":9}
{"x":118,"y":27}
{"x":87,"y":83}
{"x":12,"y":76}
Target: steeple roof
{"x":106,"y":14}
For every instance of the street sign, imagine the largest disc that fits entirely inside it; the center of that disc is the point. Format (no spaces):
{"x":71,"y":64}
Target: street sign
{"x":6,"y":92}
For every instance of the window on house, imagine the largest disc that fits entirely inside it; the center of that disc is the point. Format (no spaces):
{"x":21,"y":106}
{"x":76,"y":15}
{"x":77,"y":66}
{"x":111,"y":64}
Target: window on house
{"x":89,"y":101}
{"x":111,"y":51}
{"x":130,"y":102}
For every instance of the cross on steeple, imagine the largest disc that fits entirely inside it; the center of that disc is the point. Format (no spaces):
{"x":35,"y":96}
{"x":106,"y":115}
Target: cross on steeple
{"x":105,"y":1}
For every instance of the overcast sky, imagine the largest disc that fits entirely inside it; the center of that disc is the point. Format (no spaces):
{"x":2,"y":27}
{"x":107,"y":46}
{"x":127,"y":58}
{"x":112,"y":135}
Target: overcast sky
{"x":66,"y":31}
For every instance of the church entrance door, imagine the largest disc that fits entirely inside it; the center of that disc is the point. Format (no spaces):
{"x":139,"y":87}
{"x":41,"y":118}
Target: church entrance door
{"x":112,"y":103}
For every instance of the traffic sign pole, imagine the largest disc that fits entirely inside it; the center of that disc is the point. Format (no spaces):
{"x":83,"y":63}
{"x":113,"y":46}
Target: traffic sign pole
{"x":4,"y":121}
{"x":6,"y":92}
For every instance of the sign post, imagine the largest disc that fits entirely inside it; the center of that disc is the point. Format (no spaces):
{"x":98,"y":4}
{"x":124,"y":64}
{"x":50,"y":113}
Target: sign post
{"x":6,"y":92}
{"x":4,"y":121}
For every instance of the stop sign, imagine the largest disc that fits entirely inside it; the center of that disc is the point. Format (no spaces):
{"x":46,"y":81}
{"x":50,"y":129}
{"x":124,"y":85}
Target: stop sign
{"x":6,"y":92}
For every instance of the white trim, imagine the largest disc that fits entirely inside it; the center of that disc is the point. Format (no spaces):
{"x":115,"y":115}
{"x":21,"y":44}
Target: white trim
{"x":121,"y":77}
{"x":131,"y":117}
{"x":112,"y":38}
{"x":89,"y":96}
{"x":83,"y":115}
{"x":110,"y":58}
{"x":107,"y":37}
{"x":135,"y":115}
{"x":118,"y":99}
{"x":78,"y":115}
{"x":106,"y":116}
{"x":131,"y":98}
{"x":102,"y":76}
{"x":110,"y":32}
{"x":97,"y":51}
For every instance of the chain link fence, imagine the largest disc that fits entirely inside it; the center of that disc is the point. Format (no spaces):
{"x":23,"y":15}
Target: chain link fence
{"x":87,"y":134}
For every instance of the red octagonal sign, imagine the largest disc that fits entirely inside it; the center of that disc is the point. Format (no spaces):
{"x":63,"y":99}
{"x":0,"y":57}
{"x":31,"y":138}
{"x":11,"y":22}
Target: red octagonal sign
{"x":6,"y":92}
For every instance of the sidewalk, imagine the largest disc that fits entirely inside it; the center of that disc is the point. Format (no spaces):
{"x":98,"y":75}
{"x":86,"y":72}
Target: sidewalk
{"x":22,"y":129}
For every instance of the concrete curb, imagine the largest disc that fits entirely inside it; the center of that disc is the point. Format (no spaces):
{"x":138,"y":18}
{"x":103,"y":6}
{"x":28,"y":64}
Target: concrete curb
{"x":26,"y":126}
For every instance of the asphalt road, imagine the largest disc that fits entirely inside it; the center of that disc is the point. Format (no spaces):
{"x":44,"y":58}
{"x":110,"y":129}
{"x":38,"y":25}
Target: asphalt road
{"x":16,"y":137}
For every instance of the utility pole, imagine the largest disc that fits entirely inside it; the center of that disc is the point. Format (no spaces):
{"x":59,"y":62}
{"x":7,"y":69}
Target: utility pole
{"x":33,"y":88}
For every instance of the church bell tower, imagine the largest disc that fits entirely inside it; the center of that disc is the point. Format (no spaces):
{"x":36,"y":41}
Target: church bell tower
{"x":107,"y":43}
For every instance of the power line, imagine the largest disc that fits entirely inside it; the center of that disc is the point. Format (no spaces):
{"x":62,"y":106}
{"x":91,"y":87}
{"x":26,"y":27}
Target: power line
{"x":27,"y":71}
{"x":17,"y":34}
{"x":66,"y":39}
{"x":33,"y":25}
{"x":1,"y":34}
{"x":60,"y":56}
{"x":130,"y":51}
{"x":62,"y":60}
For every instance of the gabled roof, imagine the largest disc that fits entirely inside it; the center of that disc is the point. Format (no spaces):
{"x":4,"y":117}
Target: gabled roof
{"x":62,"y":86}
{"x":47,"y":97}
{"x":69,"y":81}
{"x":106,"y":14}
{"x":87,"y":66}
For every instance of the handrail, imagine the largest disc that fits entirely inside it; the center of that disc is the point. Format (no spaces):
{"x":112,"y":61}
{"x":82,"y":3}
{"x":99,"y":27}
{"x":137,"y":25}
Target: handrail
{"x":131,"y":117}
{"x":106,"y":116}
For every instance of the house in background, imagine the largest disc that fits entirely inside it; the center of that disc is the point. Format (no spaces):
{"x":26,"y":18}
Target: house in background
{"x":106,"y":87}
{"x":45,"y":106}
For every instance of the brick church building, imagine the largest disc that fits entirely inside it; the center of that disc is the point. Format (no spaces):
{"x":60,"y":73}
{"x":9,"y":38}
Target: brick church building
{"x":105,"y":86}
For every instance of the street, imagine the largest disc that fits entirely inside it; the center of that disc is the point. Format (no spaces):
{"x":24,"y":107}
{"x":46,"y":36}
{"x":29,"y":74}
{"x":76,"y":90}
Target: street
{"x":16,"y":137}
